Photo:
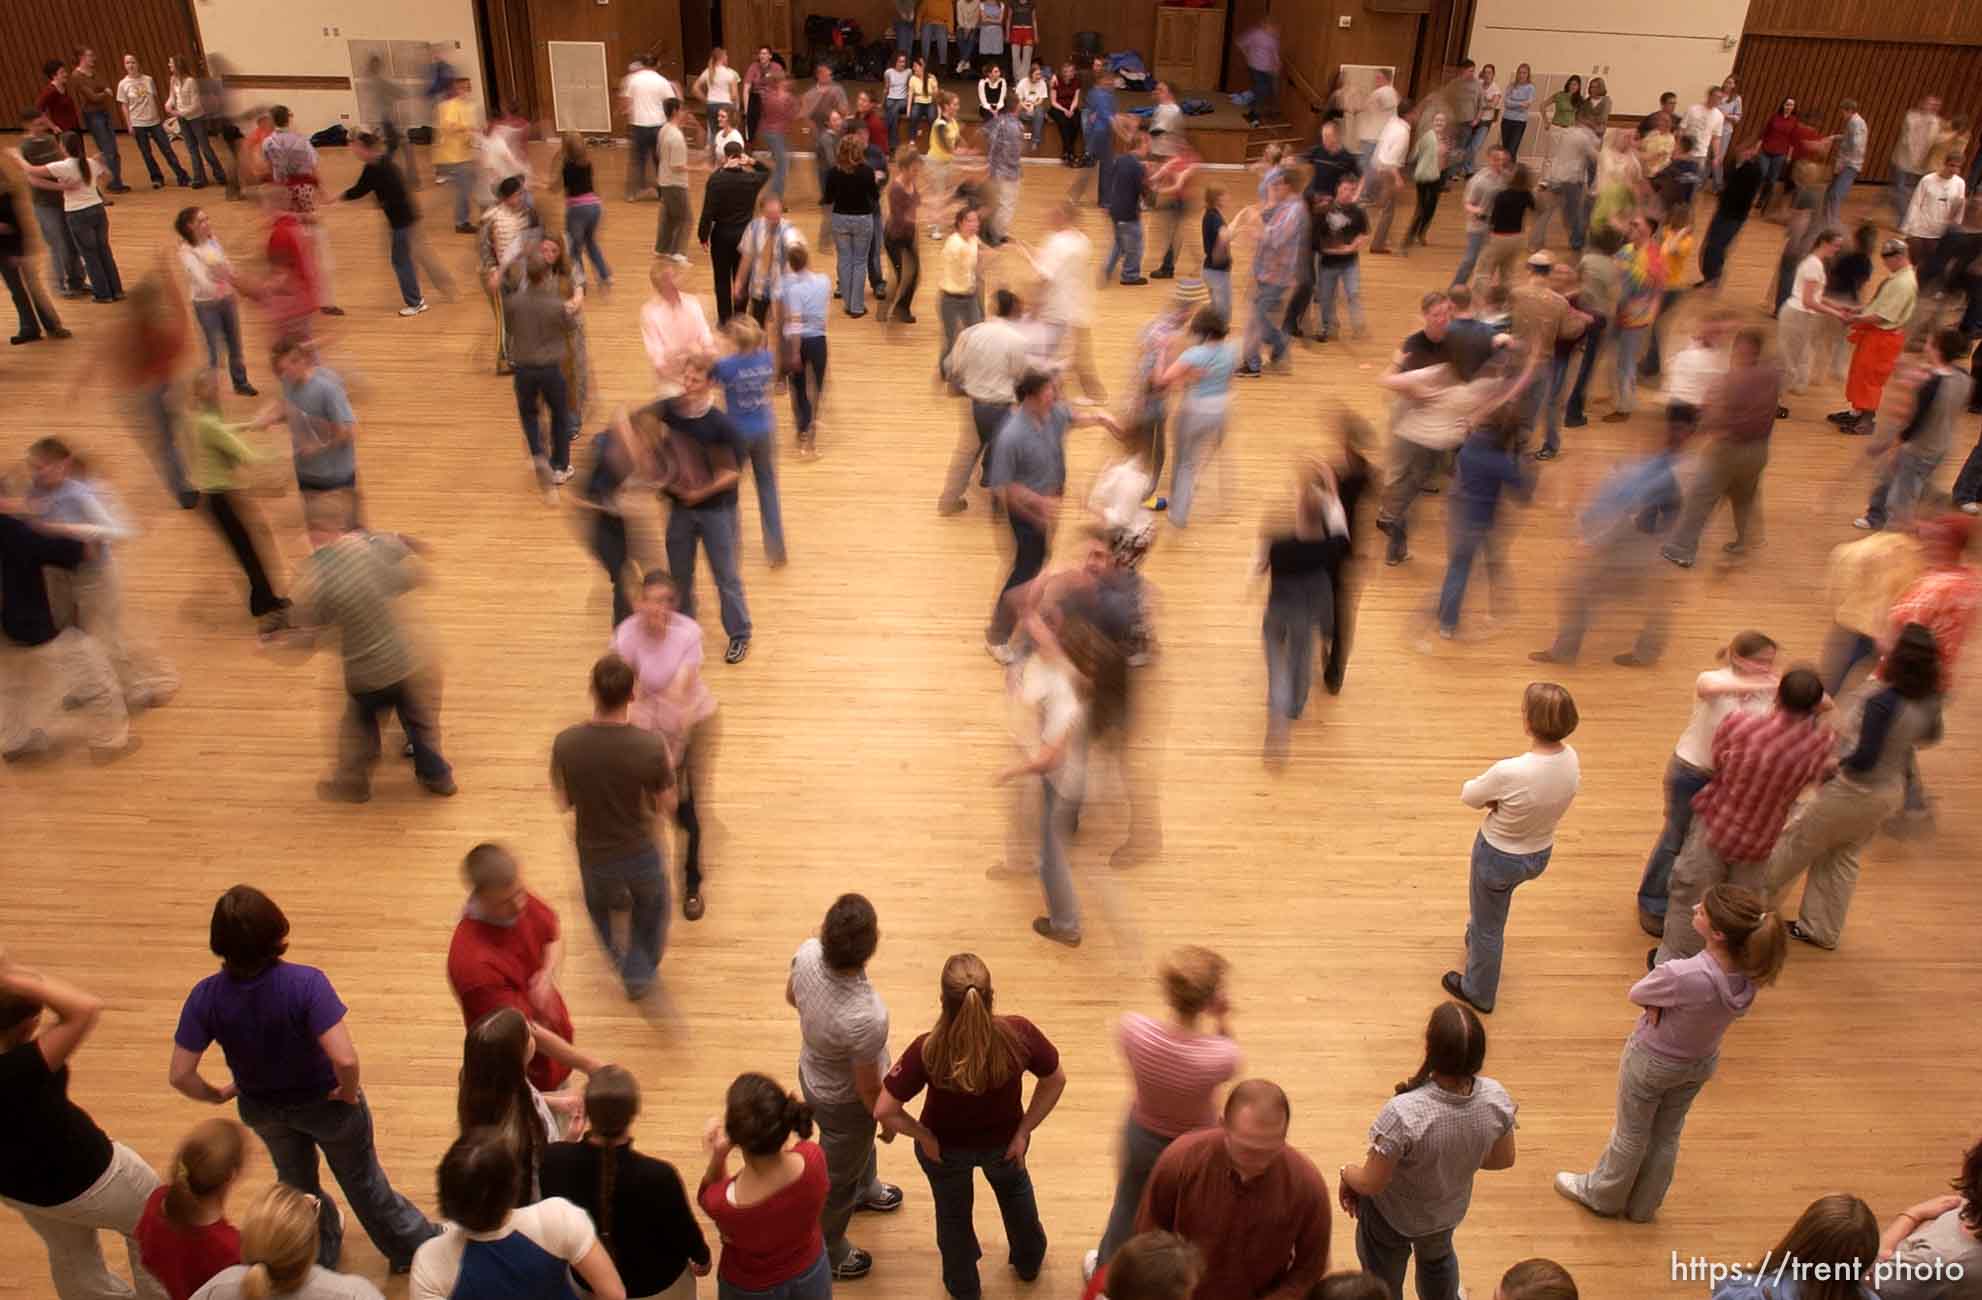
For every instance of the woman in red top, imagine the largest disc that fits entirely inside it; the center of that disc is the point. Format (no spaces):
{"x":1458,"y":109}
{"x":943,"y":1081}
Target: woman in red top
{"x":973,"y":1064}
{"x":184,"y":1237}
{"x":1778,"y":139}
{"x":1064,"y":108}
{"x":768,"y":1212}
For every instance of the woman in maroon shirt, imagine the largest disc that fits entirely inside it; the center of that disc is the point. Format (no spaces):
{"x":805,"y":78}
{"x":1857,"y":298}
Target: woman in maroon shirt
{"x":1778,"y":141}
{"x":972,"y":1063}
{"x":184,"y":1237}
{"x":1064,"y":108}
{"x":768,"y":1212}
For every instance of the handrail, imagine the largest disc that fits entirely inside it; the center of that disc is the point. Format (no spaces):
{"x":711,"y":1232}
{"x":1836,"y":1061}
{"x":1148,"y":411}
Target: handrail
{"x":1316,"y":102}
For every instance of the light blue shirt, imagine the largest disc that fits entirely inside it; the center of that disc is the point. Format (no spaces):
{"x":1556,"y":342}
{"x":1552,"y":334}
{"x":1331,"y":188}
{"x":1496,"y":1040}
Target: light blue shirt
{"x":1517,"y":100}
{"x":806,"y":298}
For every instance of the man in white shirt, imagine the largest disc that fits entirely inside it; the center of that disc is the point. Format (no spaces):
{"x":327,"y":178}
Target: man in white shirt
{"x":138,"y":95}
{"x":1386,"y":174}
{"x":1065,"y":266}
{"x":1703,"y":122}
{"x":1379,"y":110}
{"x":1572,"y":158}
{"x":1909,"y":156}
{"x":985,"y":364}
{"x":644,"y":94}
{"x":1936,"y":205}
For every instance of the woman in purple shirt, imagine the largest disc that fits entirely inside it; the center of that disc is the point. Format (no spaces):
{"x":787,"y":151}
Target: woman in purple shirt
{"x":1689,"y":1005}
{"x":665,"y":648}
{"x":281,"y":1028}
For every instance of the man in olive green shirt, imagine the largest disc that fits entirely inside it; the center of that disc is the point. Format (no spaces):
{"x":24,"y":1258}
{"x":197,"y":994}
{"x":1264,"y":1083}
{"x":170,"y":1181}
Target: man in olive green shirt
{"x":1878,"y":333}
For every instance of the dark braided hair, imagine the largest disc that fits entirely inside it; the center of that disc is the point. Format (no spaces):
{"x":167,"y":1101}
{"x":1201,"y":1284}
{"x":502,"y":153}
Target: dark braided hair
{"x":1455,"y":1044}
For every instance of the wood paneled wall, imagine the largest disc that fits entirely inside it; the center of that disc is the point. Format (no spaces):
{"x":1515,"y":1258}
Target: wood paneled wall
{"x":1313,"y":40}
{"x":518,"y":32}
{"x":1123,"y":24}
{"x":31,"y":34}
{"x":1873,"y":20}
{"x":1885,"y":77}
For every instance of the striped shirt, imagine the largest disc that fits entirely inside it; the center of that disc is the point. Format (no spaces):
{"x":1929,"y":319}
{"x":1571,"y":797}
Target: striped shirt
{"x":352,"y":583}
{"x":1176,"y":1072}
{"x":1944,"y":601}
{"x":1761,"y":763}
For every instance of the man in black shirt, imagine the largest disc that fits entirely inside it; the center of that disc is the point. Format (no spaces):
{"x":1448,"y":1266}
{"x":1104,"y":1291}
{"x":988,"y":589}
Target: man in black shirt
{"x":701,"y":490}
{"x":1330,"y":163}
{"x":76,"y":666}
{"x":729,"y":202}
{"x":1345,"y":229}
{"x":1126,"y":180}
{"x":386,"y":182}
{"x":1737,"y":200}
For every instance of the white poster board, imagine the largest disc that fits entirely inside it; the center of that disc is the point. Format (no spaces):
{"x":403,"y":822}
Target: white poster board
{"x":581,"y":95}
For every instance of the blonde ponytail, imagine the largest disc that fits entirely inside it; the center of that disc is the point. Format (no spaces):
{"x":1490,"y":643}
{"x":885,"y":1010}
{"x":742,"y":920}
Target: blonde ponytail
{"x":278,"y":1242}
{"x":970,"y":1050}
{"x":208,"y":1160}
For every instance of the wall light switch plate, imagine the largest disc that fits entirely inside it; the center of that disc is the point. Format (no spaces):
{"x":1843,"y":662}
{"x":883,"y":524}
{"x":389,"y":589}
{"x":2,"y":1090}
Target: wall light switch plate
{"x":1343,"y":21}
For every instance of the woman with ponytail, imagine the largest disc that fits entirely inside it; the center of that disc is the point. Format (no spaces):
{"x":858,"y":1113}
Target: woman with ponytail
{"x":1747,"y":684}
{"x":279,"y":1256}
{"x":1446,"y":1123}
{"x":184,"y":1237}
{"x":1689,"y":1004}
{"x":638,"y":1203}
{"x":973,"y":1064}
{"x":495,"y":1092}
{"x":768,"y":1211}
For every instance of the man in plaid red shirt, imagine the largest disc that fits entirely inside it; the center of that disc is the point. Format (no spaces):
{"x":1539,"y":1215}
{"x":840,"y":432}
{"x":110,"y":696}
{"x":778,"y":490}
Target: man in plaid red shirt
{"x":1762,"y":761}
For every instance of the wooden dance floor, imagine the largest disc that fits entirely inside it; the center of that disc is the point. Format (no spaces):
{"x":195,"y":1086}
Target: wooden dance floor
{"x":860,"y":740}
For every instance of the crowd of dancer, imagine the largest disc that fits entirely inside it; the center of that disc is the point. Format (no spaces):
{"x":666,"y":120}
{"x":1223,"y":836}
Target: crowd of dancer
{"x":1213,"y":1199}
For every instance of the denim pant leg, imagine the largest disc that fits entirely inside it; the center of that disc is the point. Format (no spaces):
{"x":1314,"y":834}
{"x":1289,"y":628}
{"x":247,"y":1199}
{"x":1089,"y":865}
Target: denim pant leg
{"x":528,"y":383}
{"x":104,"y":132}
{"x":1128,"y":234}
{"x":1011,"y":1184}
{"x":1220,"y":284}
{"x":402,"y":266}
{"x":163,"y":421}
{"x":1198,"y":435}
{"x":1140,"y":1151}
{"x":1592,"y":346}
{"x":461,"y":176}
{"x":413,"y":700}
{"x":1968,"y":483}
{"x":1289,"y":632}
{"x":953,"y":1191}
{"x":1653,"y":1098}
{"x":1056,"y":874}
{"x":1682,"y":782}
{"x":1465,"y":541}
{"x":1475,"y":245}
{"x":1380,"y":1248}
{"x":1630,"y":346}
{"x":230,"y":324}
{"x":762,"y":450}
{"x":394,"y":1224}
{"x":1553,"y":384}
{"x":1266,"y":334}
{"x":609,"y":547}
{"x":65,"y":259}
{"x":1029,"y":548}
{"x":719,"y":531}
{"x":293,"y":1152}
{"x":195,"y":136}
{"x":1493,"y":879}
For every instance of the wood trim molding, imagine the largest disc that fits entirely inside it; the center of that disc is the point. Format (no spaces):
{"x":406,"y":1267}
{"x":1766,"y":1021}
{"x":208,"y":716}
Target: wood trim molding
{"x":1810,"y":34}
{"x":249,"y":81}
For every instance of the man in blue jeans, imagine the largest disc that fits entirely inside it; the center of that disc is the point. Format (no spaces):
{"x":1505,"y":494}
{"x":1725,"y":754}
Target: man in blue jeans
{"x":535,"y":325}
{"x":617,"y":778}
{"x":1127,"y":180}
{"x":98,"y":104}
{"x":281,"y":1027}
{"x":702,"y":500}
{"x":1283,"y":242}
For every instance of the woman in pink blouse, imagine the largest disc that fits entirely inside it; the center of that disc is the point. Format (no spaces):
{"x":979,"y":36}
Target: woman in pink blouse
{"x":1177,"y":1066}
{"x":669,"y":698}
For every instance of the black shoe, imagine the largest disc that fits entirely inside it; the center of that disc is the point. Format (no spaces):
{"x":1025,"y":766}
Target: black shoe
{"x":246,"y":390}
{"x":1547,"y":453}
{"x":904,"y":318}
{"x":739,"y":646}
{"x":1577,"y":422}
{"x":197,"y":185}
{"x":1138,"y":280}
{"x":464,"y":228}
{"x":1043,"y":927}
{"x":1843,"y":417}
{"x":331,"y":311}
{"x":1163,"y":273}
{"x":858,"y":1263}
{"x":58,"y":333}
{"x":188,"y":499}
{"x":691,"y":906}
{"x":1453,"y":984}
{"x":19,"y":339}
{"x":444,"y":787}
{"x":1801,"y":935}
{"x":120,"y":188}
{"x":339,"y":792}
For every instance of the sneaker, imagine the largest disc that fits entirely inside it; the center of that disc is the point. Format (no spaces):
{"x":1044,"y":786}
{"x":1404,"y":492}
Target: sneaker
{"x":1970,"y":508}
{"x":1672,"y":556}
{"x":1247,"y":372}
{"x":1547,"y":453}
{"x":887,"y":1199}
{"x":19,"y":339}
{"x":1163,"y":273}
{"x":1843,"y":417}
{"x":858,"y":1263}
{"x":414,"y":310}
{"x":1570,"y":1187}
{"x":444,"y":787}
{"x":739,"y":647}
{"x":692,"y":906}
{"x":561,"y":476}
{"x":332,"y":310}
{"x":464,"y":228}
{"x":1004,"y":654}
{"x":1156,"y":503}
{"x":1128,"y":283}
{"x":1088,"y":1263}
{"x":1864,"y":525}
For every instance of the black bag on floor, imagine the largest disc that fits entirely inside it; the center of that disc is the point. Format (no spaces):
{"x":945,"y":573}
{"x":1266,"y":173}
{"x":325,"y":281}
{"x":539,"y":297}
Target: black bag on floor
{"x":331,"y":137}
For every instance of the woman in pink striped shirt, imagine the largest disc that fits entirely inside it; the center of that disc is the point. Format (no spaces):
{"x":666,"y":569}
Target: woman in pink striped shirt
{"x":1177,"y":1066}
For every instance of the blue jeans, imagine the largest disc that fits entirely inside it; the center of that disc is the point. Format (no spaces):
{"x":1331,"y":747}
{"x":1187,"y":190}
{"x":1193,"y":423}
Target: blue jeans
{"x":358,"y":734}
{"x":1268,"y":300}
{"x":198,"y":144}
{"x":966,"y":45}
{"x":640,"y":883}
{"x":1349,"y":276}
{"x":155,"y":400}
{"x":1474,"y":141}
{"x":904,"y":35}
{"x":295,"y":1133}
{"x":1220,"y":284}
{"x":220,"y":322}
{"x":1266,"y":88}
{"x":1835,"y":196}
{"x":461,"y":176}
{"x":1492,"y":882}
{"x":1844,"y":649}
{"x":853,"y":236}
{"x":1476,"y":242}
{"x":919,"y":116}
{"x":89,"y":231}
{"x":892,"y":112}
{"x":762,"y":451}
{"x":1903,"y":183}
{"x":1198,"y":434}
{"x":936,"y":36}
{"x":544,"y":383}
{"x":716,"y":527}
{"x":1552,"y":385}
{"x":780,"y":159}
{"x":1386,"y":1252}
{"x":1720,"y":237}
{"x":1592,"y":345}
{"x":581,"y":233}
{"x":104,"y":131}
{"x":815,"y":1283}
{"x":1898,"y":493}
{"x":1682,"y":782}
{"x":952,"y":1186}
{"x":65,"y":259}
{"x":1629,"y":347}
{"x":807,"y":381}
{"x":147,"y":136}
{"x":1056,"y":877}
{"x":402,"y":266}
{"x":1099,"y":140}
{"x":1465,"y":540}
{"x":1968,"y":483}
{"x":1126,"y":250}
{"x":1141,"y":1149}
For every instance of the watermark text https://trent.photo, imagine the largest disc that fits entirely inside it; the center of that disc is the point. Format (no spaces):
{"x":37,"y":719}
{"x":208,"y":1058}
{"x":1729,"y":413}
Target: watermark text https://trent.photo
{"x":1776,"y":1269}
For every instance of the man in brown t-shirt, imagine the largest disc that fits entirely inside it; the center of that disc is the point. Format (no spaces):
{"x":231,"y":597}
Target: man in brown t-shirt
{"x":1741,"y":413}
{"x":1255,"y":1207}
{"x":97,"y":103}
{"x":617,"y":777}
{"x":1540,"y":315}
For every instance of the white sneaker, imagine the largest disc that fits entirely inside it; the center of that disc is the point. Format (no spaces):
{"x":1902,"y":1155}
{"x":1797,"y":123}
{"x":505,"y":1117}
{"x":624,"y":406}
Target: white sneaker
{"x":1004,"y":654}
{"x":1088,"y":1263}
{"x":561,"y":476}
{"x":414,"y":310}
{"x":1970,"y":508}
{"x":1864,"y":525}
{"x":680,"y":257}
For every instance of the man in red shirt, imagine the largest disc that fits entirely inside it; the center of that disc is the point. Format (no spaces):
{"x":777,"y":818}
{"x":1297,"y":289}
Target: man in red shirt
{"x":1255,"y":1207}
{"x":54,"y":99}
{"x":1945,"y":600}
{"x":505,"y":953}
{"x":1762,"y":761}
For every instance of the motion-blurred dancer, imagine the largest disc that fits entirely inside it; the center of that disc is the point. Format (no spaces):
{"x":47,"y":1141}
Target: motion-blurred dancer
{"x":701,"y":486}
{"x":43,"y":663}
{"x":322,"y":427}
{"x":1877,"y":334}
{"x":1300,"y":604}
{"x":352,"y":581}
{"x":1489,"y":468}
{"x":746,"y":373}
{"x":292,"y":163}
{"x":1620,"y":533}
{"x":386,"y":181}
{"x":1741,"y":414}
{"x":986,"y":364}
{"x":535,"y":325}
{"x":1917,"y":449}
{"x":218,"y":456}
{"x":508,"y":232}
{"x":212,"y":285}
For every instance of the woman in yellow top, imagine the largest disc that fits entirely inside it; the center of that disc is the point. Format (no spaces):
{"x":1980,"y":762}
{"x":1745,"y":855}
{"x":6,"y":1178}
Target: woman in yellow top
{"x":456,"y":128}
{"x":944,"y":138}
{"x":923,"y":90}
{"x":960,"y":303}
{"x":1678,"y":243}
